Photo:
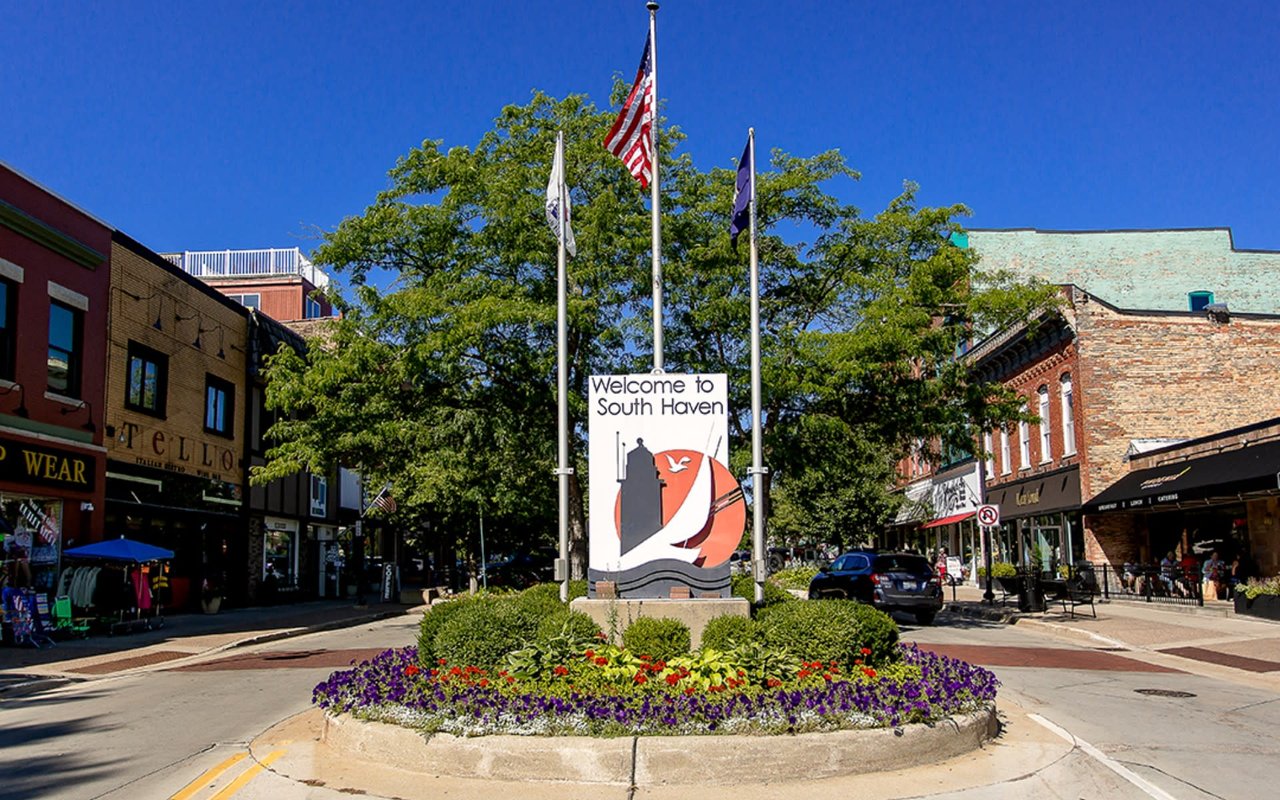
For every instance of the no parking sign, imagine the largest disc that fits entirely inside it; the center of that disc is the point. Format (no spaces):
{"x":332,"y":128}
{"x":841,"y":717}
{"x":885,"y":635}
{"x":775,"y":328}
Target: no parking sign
{"x":988,"y":516}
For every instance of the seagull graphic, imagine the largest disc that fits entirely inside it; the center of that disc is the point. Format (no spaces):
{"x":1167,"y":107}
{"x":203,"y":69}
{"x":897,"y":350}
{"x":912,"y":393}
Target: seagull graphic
{"x":674,"y":466}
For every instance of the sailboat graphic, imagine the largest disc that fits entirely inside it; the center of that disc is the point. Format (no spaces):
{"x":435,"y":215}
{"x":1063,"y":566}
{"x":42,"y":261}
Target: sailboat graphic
{"x":642,"y":541}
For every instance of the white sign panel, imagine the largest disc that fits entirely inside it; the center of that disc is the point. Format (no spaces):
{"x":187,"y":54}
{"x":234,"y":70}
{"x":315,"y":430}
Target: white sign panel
{"x":662,"y":498}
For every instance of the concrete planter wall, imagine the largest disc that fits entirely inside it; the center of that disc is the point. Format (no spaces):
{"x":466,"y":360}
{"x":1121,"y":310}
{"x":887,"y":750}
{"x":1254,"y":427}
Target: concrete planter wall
{"x":659,"y":760}
{"x":1266,"y":606}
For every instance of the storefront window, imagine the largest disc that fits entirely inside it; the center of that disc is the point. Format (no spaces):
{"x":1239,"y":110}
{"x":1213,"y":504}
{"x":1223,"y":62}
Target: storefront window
{"x":280,"y":558}
{"x":32,"y":552}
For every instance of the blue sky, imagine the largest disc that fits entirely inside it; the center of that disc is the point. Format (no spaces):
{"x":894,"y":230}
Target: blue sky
{"x":232,"y":124}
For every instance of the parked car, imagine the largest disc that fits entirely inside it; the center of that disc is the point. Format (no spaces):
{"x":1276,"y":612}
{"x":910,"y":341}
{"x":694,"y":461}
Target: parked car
{"x":888,"y":581}
{"x":523,"y":569}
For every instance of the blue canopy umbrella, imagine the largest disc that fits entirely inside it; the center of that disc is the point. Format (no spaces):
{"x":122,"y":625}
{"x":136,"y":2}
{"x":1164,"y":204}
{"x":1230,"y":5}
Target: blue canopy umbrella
{"x":122,"y":549}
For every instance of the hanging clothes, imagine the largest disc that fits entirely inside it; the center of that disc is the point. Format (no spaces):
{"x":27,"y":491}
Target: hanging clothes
{"x":141,"y":589}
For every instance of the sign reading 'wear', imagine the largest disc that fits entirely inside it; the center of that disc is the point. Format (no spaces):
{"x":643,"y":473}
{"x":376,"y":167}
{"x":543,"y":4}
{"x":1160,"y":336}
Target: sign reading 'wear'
{"x":45,"y":466}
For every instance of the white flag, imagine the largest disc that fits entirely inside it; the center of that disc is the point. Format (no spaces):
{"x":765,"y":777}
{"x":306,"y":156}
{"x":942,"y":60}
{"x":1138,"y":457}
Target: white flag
{"x":557,"y":192}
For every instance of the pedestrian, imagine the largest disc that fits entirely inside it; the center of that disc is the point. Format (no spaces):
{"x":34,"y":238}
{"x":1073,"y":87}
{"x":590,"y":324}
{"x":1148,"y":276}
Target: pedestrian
{"x":1213,"y":573}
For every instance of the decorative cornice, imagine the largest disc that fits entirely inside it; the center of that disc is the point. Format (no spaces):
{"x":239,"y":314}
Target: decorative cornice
{"x":50,"y":237}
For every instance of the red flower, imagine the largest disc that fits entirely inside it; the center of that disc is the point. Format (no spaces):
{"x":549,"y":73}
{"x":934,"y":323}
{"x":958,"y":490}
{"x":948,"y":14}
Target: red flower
{"x":774,"y":683}
{"x":869,"y":672}
{"x":601,"y":636}
{"x":826,"y":676}
{"x":455,"y":671}
{"x":591,"y":654}
{"x":866,"y":651}
{"x":442,"y":662}
{"x":510,"y":679}
{"x":411,"y":670}
{"x":561,"y":670}
{"x":804,"y":673}
{"x":484,"y":682}
{"x":690,"y":690}
{"x":673,"y":679}
{"x":742,"y":673}
{"x":661,"y":664}
{"x":640,"y":678}
{"x":646,"y":658}
{"x":601,"y":661}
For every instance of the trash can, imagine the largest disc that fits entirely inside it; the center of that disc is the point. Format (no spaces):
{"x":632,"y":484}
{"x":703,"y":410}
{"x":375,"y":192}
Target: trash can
{"x":1030,"y":593}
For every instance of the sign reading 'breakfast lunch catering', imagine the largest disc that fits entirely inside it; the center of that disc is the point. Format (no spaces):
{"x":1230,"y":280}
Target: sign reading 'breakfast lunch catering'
{"x":22,"y":462}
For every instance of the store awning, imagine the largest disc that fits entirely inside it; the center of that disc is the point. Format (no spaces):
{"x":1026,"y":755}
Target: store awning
{"x":1223,"y":475}
{"x":937,"y":523}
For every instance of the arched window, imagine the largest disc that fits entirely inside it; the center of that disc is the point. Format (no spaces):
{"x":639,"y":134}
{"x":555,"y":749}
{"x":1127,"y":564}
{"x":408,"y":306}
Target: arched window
{"x":1068,"y":415}
{"x":1046,"y":432}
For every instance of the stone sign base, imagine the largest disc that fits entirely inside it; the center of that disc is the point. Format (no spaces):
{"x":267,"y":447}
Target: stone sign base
{"x":621,"y":612}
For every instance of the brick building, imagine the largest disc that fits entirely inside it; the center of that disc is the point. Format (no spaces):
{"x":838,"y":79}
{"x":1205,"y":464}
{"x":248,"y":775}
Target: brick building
{"x":1109,"y":380}
{"x":54,"y":273}
{"x":175,"y":402}
{"x":280,"y":282}
{"x":1215,"y":492}
{"x":1170,"y":270}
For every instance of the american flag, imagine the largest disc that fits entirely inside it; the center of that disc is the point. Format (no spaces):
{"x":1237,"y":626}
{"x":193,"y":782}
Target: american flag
{"x":384,"y":502}
{"x":631,"y":136}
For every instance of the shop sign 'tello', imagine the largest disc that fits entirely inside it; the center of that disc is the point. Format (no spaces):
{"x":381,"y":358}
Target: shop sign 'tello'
{"x":45,"y":466}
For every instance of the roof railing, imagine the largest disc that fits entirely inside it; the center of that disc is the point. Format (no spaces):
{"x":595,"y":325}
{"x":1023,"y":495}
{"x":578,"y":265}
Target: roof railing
{"x":272,"y":262}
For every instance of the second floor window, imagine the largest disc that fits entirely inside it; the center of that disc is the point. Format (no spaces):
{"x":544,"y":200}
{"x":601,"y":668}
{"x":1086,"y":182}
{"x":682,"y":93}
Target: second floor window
{"x":1024,"y":440}
{"x":313,"y":309}
{"x":1068,"y":416}
{"x":219,"y":405}
{"x":246,"y":300}
{"x":146,"y":379}
{"x":66,"y":332}
{"x":8,"y":326}
{"x":1046,"y":433}
{"x":989,"y":456}
{"x":1006,"y":462}
{"x":319,"y":496}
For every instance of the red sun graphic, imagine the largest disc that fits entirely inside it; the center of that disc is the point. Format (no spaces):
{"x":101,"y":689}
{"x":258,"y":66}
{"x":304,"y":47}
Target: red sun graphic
{"x":728,"y":516}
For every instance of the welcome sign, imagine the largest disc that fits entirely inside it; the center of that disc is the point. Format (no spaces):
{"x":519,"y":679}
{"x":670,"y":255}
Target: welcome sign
{"x":665,"y":511}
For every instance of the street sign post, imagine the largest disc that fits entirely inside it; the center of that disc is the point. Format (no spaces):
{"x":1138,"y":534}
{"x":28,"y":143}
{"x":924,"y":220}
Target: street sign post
{"x":988,"y":515}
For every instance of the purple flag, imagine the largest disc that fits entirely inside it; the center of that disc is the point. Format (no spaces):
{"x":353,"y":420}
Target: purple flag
{"x":742,"y":192}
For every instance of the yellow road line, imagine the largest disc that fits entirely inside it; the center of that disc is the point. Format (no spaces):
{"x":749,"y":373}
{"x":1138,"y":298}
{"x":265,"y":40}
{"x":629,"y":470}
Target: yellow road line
{"x":206,"y":777}
{"x":249,"y":774}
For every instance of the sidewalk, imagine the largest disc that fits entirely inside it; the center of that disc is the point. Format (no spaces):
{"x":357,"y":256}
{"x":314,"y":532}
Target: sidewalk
{"x":1203,"y":640}
{"x":182,"y":636}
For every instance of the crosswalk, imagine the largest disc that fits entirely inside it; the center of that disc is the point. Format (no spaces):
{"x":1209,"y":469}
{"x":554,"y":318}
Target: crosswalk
{"x":226,"y":778}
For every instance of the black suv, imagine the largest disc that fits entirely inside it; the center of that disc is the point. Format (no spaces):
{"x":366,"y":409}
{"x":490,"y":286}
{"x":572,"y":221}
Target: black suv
{"x":888,"y":581}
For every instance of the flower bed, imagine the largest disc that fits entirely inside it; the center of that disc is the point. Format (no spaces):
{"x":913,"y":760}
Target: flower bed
{"x":608,"y":691}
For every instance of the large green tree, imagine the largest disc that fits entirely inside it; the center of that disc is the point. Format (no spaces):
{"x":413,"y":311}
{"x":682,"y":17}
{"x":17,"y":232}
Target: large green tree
{"x":443,"y":381}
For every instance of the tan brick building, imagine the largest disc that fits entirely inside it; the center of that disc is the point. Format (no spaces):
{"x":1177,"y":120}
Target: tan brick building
{"x":1110,"y":382}
{"x":175,"y":420}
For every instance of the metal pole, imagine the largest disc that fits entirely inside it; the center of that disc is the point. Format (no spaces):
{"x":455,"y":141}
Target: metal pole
{"x":562,"y":383}
{"x":757,"y":449}
{"x":484,"y":563}
{"x":653,"y":191}
{"x":988,"y":596}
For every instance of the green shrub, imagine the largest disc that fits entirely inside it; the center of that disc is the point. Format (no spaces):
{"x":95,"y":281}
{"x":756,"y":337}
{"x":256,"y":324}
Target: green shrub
{"x":1000,"y":569}
{"x":661,"y":639}
{"x":540,"y":600}
{"x":483,"y":632}
{"x":830,"y":630}
{"x":728,"y":631}
{"x":432,"y":621}
{"x":743,"y":586}
{"x":577,"y":589}
{"x":572,"y":624}
{"x":794,"y":577}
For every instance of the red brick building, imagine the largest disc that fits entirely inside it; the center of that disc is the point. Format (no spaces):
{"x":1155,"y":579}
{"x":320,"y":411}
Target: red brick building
{"x":54,"y":297}
{"x":280,"y":283}
{"x":1107,"y":382}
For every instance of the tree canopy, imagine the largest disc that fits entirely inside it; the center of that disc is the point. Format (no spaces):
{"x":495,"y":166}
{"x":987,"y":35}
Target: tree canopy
{"x":443,"y":380}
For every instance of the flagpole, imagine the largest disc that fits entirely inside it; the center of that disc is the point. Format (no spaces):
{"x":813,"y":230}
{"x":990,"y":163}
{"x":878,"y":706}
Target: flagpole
{"x":757,"y":449}
{"x":562,"y":377}
{"x":653,"y":191}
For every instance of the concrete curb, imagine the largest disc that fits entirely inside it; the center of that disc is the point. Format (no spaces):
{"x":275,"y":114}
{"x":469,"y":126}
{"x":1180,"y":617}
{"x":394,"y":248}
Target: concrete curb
{"x":989,"y":613}
{"x":319,"y":627}
{"x":647,"y":761}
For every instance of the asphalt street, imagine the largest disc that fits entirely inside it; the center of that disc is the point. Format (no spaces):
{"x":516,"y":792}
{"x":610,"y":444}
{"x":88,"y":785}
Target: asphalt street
{"x":1140,"y":729}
